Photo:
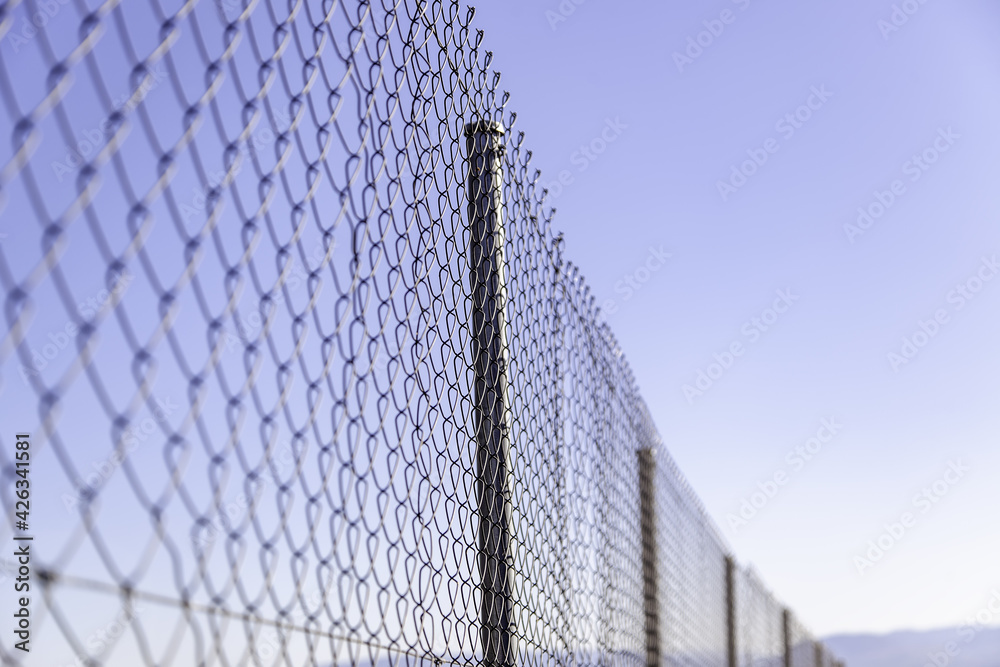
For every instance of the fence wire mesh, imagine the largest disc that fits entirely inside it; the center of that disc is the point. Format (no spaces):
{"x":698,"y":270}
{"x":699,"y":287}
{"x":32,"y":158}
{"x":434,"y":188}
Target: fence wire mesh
{"x":241,"y":325}
{"x":760,"y":640}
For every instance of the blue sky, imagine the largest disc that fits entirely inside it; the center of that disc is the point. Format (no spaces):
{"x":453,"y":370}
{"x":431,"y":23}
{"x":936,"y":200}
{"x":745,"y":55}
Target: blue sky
{"x":890,"y":323}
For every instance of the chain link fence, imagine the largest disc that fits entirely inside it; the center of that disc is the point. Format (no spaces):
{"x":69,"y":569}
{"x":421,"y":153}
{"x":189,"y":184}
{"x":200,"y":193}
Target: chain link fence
{"x":308,"y":379}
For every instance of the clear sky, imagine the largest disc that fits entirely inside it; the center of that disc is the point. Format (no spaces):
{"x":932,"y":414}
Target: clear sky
{"x":893,"y":110}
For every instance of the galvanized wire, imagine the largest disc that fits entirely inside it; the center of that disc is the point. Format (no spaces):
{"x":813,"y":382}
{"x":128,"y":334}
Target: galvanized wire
{"x":238,"y":324}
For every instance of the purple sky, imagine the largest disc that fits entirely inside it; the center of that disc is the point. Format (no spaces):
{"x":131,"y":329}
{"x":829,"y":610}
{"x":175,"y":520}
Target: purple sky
{"x":839,"y":110}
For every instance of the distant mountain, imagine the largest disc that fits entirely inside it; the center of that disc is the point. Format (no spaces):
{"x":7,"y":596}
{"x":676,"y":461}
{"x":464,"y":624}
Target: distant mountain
{"x":953,"y":647}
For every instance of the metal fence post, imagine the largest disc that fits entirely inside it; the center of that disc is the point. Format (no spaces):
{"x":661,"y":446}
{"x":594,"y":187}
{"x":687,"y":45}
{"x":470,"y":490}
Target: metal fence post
{"x":647,"y":521}
{"x":731,"y":611}
{"x":786,"y":633}
{"x":484,"y":140}
{"x":559,"y":434}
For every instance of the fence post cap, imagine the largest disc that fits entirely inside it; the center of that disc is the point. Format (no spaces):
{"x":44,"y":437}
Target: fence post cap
{"x":485,"y":127}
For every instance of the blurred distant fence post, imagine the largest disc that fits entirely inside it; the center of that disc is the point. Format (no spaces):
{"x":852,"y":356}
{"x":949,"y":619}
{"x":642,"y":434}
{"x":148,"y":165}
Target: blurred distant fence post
{"x":650,"y":571}
{"x":786,"y":634}
{"x":731,"y":659}
{"x":484,"y":140}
